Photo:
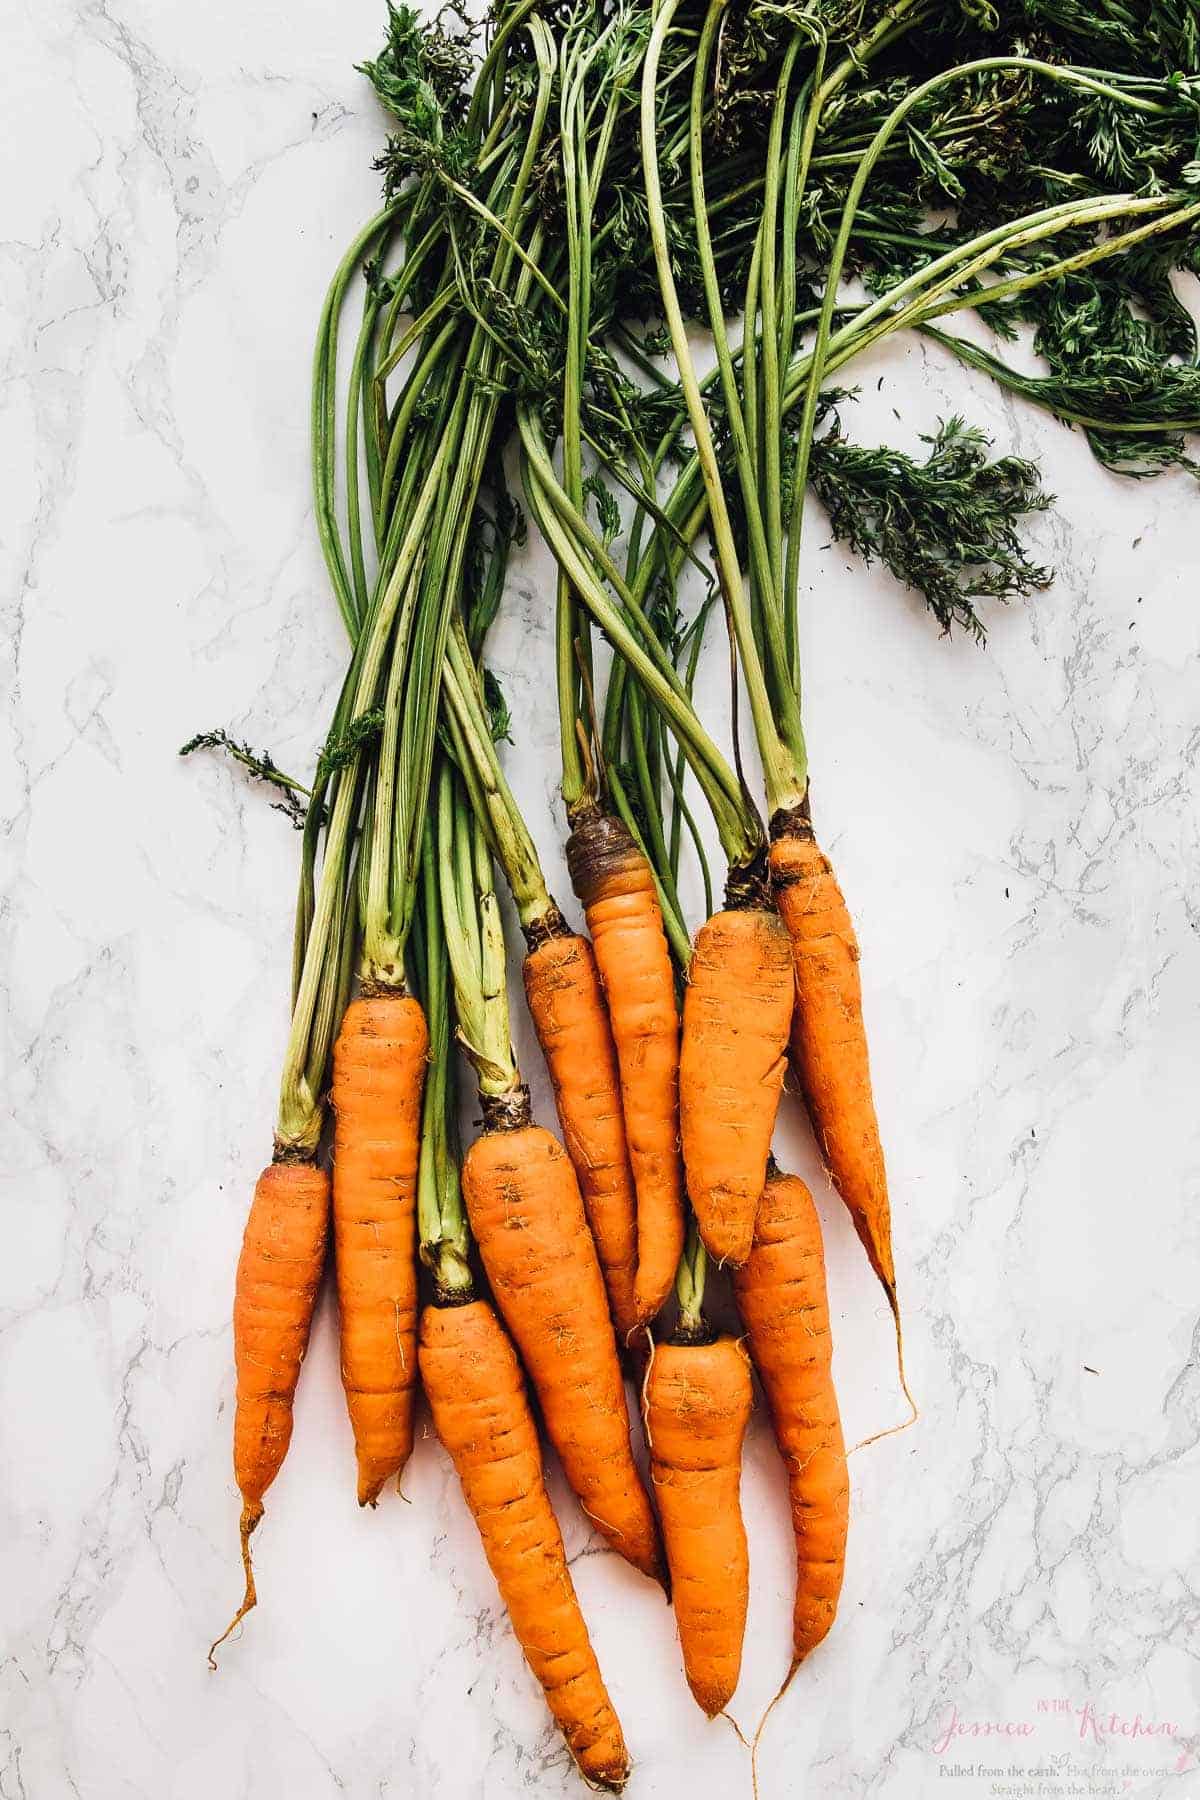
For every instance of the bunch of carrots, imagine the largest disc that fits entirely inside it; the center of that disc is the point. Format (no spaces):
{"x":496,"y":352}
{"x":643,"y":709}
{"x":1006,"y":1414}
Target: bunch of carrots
{"x":567,"y":197}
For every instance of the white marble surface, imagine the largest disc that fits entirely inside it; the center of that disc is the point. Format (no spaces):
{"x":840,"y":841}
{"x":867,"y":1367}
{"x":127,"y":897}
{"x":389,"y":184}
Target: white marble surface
{"x":1017,"y":833}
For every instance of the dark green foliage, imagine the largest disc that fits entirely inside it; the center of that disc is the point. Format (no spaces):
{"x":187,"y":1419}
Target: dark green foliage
{"x":422,"y":76}
{"x":1119,"y":347}
{"x":947,"y":526}
{"x":1121,"y":352}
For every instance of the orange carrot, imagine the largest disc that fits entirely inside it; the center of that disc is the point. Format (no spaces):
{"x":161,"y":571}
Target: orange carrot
{"x":697,"y":1405}
{"x":616,"y":887}
{"x":482,"y":1416}
{"x":378,"y":1074}
{"x":781,"y":1297}
{"x":736,"y":1013}
{"x":278,"y":1274}
{"x":566,"y":1003}
{"x":829,"y":1042}
{"x":525,"y":1211}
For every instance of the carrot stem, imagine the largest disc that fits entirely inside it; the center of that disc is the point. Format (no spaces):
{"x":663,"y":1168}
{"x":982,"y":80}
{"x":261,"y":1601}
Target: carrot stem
{"x":474,"y":942}
{"x":442,"y":1229}
{"x":784,"y":762}
{"x":690,"y":1280}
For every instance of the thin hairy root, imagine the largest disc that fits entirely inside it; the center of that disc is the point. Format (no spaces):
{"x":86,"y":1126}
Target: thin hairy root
{"x":250,"y":1517}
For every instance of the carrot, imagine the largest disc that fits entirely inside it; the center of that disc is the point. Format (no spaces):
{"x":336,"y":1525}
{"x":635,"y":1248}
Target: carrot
{"x":781,"y":1297}
{"x":470,"y":1371}
{"x":736,"y":1012}
{"x":566,"y":1003}
{"x":378,"y":1075}
{"x":563,"y":991}
{"x":697,"y":1405}
{"x":525,"y":1211}
{"x":616,"y":887}
{"x":481,"y":1414}
{"x":829,"y":1042}
{"x":278,"y":1274}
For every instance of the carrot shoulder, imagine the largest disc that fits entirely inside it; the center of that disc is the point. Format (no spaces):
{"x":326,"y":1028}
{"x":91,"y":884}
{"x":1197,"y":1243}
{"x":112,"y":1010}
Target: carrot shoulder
{"x":566,"y":1003}
{"x":829,"y":1040}
{"x":736,"y":1014}
{"x":527,"y":1217}
{"x":784,"y":1306}
{"x":615,"y":884}
{"x":378,"y":1076}
{"x":697,"y":1402}
{"x":278,"y":1274}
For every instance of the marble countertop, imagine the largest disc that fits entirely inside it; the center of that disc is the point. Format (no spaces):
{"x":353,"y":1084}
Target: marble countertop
{"x":1017,"y":831}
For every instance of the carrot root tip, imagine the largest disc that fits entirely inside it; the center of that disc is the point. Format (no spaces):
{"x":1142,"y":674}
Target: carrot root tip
{"x":762,"y":1723}
{"x":606,"y":1784}
{"x":252,"y":1512}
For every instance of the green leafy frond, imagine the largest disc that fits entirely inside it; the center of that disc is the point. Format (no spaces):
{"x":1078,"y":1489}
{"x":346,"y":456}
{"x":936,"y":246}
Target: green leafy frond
{"x":947,"y":527}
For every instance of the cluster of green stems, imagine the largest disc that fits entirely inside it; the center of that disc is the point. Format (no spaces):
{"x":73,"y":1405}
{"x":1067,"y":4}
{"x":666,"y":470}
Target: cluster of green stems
{"x":410,"y":809}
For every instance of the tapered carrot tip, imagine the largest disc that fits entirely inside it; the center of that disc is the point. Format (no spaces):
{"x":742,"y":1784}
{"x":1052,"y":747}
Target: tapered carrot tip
{"x":609,"y":1780}
{"x":252,"y":1512}
{"x":384,"y":1426}
{"x":370,"y":1487}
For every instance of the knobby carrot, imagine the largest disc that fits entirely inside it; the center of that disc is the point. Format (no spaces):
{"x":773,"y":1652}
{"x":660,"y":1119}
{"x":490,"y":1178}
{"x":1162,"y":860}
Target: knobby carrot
{"x":566,"y":1003}
{"x":783,"y":1303}
{"x":526,"y":1214}
{"x":615,"y":885}
{"x":481,"y":1414}
{"x":697,"y":1405}
{"x":378,"y":1075}
{"x":829,"y":1041}
{"x":278,"y":1274}
{"x":737,"y":1010}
